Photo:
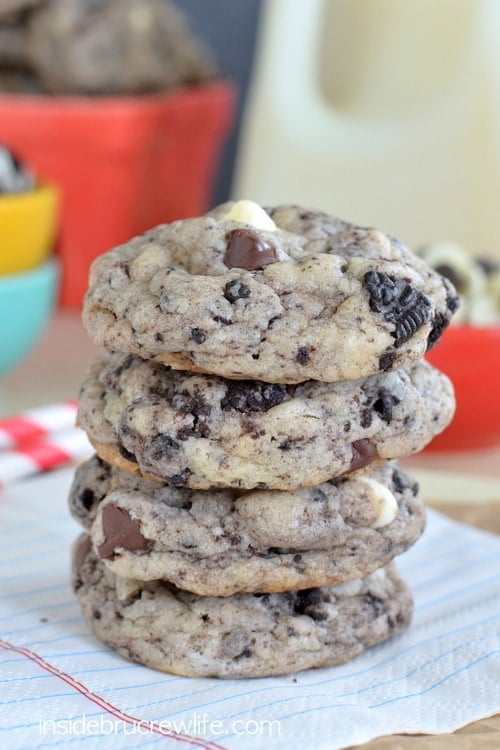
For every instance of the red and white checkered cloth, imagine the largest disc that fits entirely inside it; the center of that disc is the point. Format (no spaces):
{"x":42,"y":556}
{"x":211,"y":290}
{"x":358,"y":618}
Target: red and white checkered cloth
{"x":39,"y":440}
{"x":37,"y":423}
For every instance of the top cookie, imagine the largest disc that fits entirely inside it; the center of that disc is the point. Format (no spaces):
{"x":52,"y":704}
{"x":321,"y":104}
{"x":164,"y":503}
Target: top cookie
{"x":282,"y":295}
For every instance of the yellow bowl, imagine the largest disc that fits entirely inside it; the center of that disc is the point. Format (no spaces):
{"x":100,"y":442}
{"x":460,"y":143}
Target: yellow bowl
{"x":28,"y":225}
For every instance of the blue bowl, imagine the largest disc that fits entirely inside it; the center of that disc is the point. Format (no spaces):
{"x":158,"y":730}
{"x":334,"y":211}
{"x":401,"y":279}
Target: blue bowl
{"x":26,"y":304}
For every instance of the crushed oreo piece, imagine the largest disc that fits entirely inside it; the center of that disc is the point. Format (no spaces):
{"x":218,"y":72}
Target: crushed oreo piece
{"x":162,"y":446}
{"x":384,"y":405}
{"x":439,"y":324}
{"x":402,"y":305}
{"x":250,"y":396}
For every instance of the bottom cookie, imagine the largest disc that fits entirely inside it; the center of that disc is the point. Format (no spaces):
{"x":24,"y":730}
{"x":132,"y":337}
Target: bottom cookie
{"x":241,"y":636}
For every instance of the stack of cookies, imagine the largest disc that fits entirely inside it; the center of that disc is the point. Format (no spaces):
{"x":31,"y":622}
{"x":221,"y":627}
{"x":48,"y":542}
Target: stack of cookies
{"x":263,"y":373}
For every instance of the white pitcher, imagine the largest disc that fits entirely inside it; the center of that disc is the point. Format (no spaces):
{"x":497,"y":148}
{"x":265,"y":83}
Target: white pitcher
{"x":404,"y":134}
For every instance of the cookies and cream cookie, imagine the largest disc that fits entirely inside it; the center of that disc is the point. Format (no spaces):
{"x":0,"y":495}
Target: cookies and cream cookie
{"x":203,"y":431}
{"x":221,"y":542}
{"x":281,"y":295}
{"x":245,"y":635}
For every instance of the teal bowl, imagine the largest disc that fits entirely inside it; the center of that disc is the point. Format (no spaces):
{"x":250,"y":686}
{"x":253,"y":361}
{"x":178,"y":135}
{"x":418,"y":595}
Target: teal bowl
{"x":26,"y":304}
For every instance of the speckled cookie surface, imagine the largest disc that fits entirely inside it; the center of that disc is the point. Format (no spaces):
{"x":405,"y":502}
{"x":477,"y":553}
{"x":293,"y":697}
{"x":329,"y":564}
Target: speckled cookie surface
{"x":316,"y":299}
{"x":220,"y":542}
{"x":203,"y":431}
{"x":244,"y":635}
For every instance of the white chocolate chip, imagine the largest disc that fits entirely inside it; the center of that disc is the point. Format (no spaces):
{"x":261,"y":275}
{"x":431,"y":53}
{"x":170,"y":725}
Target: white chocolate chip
{"x":387,"y":503}
{"x":248,"y":212}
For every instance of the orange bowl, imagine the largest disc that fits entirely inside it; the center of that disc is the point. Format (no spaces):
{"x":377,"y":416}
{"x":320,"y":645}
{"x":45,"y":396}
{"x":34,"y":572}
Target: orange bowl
{"x":470,"y":356}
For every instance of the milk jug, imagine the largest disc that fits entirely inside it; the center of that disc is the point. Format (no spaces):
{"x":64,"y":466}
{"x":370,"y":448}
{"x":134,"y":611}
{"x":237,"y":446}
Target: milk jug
{"x":384,"y":112}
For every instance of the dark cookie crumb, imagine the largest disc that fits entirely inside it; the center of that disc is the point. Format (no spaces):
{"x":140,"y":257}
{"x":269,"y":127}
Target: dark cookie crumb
{"x":162,"y":446}
{"x":198,"y":335}
{"x":366,"y":417}
{"x":178,"y":480}
{"x":235,"y":290}
{"x":127,"y":454}
{"x":377,"y":604}
{"x":384,"y":405}
{"x":87,"y":498}
{"x":386,"y":360}
{"x":302,"y":355}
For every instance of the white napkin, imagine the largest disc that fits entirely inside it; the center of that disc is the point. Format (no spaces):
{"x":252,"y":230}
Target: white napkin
{"x":59,"y":687}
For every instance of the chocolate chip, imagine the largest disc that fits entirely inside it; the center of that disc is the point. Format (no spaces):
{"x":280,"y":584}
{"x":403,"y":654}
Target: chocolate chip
{"x":249,"y":396}
{"x":120,"y":530}
{"x":198,"y":335}
{"x":302,"y":355}
{"x":363,"y":454}
{"x":245,"y":249}
{"x":236,"y":290}
{"x":79,"y":556}
{"x":386,"y":360}
{"x":402,"y":305}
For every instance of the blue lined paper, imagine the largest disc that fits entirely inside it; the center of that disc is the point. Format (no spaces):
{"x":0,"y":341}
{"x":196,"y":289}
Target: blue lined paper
{"x":59,"y":686}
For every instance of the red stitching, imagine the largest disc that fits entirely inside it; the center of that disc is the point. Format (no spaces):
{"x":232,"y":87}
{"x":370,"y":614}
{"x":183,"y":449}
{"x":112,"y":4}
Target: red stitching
{"x":105,"y":705}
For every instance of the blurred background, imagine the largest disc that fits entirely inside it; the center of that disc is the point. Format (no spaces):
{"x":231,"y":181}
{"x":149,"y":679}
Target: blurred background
{"x":116,"y":115}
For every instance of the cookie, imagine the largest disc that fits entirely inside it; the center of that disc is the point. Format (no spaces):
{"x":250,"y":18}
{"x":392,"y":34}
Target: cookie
{"x":9,"y":8}
{"x":202,"y":431}
{"x":245,"y":635}
{"x":115,"y":47}
{"x":221,"y":542}
{"x":281,"y":296}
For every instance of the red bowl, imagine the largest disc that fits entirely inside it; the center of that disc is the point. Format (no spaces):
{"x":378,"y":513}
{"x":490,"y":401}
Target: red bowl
{"x":470,"y":356}
{"x":124,"y":164}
